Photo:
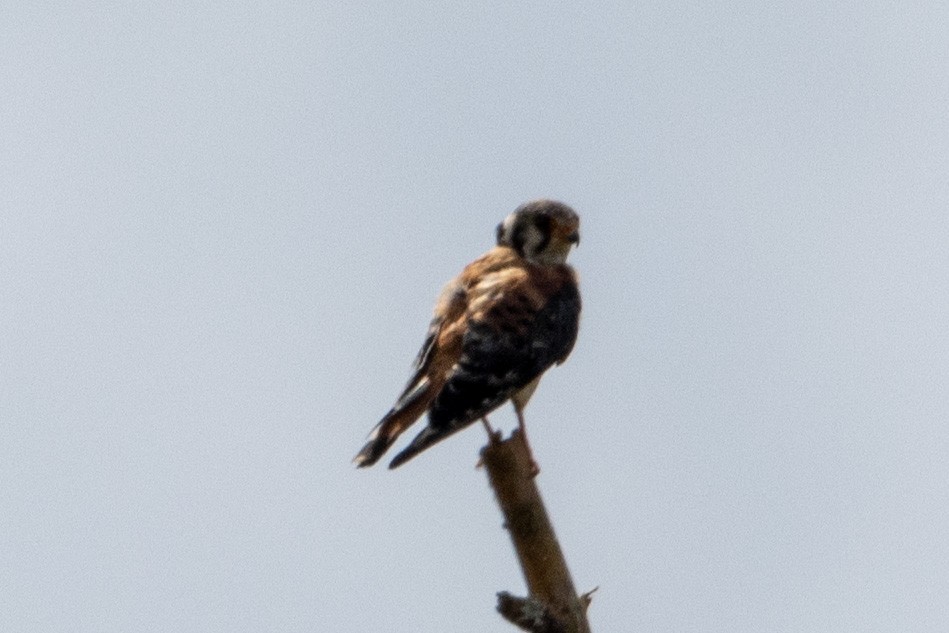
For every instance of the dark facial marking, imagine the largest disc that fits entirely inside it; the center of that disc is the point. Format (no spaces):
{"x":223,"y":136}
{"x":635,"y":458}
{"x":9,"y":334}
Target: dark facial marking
{"x":517,"y":238}
{"x":543,"y":223}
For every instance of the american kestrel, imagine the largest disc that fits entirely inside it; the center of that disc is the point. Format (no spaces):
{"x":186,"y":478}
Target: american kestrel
{"x":498,"y":326}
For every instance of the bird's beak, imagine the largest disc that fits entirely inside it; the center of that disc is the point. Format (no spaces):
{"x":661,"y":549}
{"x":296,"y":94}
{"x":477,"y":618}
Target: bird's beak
{"x":574,"y":238}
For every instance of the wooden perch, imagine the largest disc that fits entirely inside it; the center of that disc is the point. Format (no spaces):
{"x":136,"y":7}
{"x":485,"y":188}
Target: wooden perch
{"x":553,"y":605}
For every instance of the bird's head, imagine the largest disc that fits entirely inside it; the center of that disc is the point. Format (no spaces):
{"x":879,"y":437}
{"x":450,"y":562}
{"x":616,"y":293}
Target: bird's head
{"x":541,"y":231}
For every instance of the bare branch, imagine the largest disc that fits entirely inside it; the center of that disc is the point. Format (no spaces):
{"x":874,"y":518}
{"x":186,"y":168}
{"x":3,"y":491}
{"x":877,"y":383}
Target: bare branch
{"x":553,"y":605}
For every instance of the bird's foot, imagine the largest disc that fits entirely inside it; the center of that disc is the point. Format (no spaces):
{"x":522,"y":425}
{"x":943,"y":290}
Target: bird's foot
{"x":493,"y":436}
{"x":533,"y":468}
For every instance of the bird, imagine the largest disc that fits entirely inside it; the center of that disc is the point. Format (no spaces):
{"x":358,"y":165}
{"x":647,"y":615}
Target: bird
{"x":497,"y":327}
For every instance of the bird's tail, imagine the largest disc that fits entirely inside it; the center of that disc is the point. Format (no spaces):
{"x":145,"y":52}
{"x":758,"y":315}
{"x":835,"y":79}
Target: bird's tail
{"x":405,"y":412}
{"x":423,"y":440}
{"x":379,"y":442}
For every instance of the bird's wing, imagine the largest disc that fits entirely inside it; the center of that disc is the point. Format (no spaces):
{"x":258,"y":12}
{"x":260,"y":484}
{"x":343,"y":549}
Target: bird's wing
{"x":441,"y":348}
{"x":519,"y":321}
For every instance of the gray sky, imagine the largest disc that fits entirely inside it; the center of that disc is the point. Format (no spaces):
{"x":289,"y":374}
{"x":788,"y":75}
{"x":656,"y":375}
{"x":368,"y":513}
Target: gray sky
{"x":223,"y":229}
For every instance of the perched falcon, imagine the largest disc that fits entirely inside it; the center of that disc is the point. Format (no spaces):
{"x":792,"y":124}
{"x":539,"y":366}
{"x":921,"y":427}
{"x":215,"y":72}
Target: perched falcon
{"x":498,"y":326}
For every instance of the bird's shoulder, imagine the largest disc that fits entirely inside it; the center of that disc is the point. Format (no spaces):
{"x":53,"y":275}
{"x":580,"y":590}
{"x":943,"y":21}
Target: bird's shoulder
{"x":503,"y":268}
{"x":503,"y":291}
{"x":502,"y":278}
